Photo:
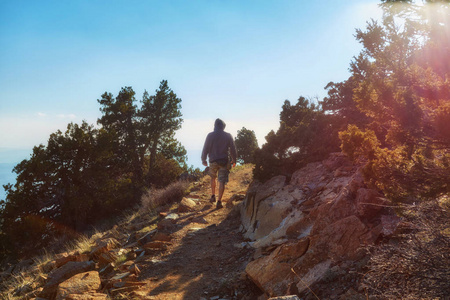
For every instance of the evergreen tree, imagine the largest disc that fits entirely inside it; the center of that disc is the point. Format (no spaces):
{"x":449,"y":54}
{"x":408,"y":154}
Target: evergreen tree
{"x":246,"y":144}
{"x":160,"y":117}
{"x":404,"y":94}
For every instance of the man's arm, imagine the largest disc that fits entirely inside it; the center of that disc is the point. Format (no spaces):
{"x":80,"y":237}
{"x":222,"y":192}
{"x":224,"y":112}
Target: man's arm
{"x":205,"y":150}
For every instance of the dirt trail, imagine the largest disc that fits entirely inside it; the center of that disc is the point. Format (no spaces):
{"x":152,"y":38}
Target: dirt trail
{"x":207,"y":254}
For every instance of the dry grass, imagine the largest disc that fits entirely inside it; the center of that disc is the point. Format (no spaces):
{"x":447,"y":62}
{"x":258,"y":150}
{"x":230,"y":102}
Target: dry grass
{"x":22,"y":283}
{"x":158,"y":197}
{"x":417,"y":265}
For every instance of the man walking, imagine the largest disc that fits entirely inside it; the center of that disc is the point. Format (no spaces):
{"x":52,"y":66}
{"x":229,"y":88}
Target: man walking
{"x":217,"y":146}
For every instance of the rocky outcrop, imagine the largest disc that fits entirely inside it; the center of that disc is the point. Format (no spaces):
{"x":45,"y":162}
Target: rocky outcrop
{"x":324,"y":215}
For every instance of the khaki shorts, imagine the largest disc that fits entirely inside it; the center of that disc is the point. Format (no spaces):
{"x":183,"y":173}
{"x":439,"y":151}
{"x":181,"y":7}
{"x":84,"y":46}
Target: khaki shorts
{"x":223,"y":172}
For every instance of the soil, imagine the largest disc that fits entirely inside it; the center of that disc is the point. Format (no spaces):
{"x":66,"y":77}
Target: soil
{"x":207,"y":254}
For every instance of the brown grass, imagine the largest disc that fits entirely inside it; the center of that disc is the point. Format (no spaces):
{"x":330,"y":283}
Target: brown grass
{"x":417,"y":264}
{"x":158,"y":197}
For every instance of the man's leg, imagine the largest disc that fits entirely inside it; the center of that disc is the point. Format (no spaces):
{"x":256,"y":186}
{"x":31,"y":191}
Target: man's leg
{"x":213,"y":185}
{"x":223,"y":179}
{"x":221,"y":190}
{"x":213,"y":168}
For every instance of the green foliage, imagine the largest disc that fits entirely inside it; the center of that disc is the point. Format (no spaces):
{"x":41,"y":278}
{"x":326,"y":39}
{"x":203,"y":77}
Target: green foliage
{"x":299,"y":140}
{"x":404,"y":95}
{"x":356,"y":143}
{"x":246,"y":144}
{"x":86,"y":174}
{"x":164,"y":172}
{"x":160,"y":117}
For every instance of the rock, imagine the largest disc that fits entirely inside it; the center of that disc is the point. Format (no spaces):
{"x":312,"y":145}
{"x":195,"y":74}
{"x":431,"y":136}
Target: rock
{"x":389,"y":224}
{"x":120,"y":277}
{"x":199,"y":220}
{"x":168,"y":222}
{"x":313,"y":275}
{"x":272,"y":273}
{"x":333,"y":210}
{"x":255,"y":194}
{"x":126,"y":265}
{"x":104,"y":246}
{"x":369,"y":203}
{"x":63,"y":258}
{"x":158,"y":245}
{"x":107,"y":269}
{"x":326,"y":203}
{"x":186,"y":205}
{"x":161,"y":236}
{"x":134,"y":269}
{"x":147,"y":237}
{"x":335,"y":161}
{"x":87,"y":296}
{"x":106,"y":258}
{"x":341,"y":239}
{"x":63,"y":273}
{"x":79,"y":284}
{"x":278,"y":234}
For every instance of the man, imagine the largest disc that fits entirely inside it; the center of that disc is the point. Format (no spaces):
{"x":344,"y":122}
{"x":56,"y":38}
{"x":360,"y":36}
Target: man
{"x":217,"y":146}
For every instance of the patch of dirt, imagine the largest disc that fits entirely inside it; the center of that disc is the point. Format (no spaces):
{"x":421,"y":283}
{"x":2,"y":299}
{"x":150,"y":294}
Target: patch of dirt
{"x":207,"y":254}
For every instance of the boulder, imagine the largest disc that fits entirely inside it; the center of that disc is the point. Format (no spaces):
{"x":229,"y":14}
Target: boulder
{"x":341,"y":239}
{"x":168,"y":222}
{"x":255,"y":194}
{"x":63,"y":273}
{"x":186,"y":205}
{"x":273,"y":273}
{"x":79,"y":284}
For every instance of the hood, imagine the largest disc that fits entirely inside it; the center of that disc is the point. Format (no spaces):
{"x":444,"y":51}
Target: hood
{"x":219,"y":125}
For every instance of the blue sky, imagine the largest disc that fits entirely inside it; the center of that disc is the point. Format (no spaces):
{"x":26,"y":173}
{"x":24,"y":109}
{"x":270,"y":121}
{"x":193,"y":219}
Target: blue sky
{"x":237,"y":60}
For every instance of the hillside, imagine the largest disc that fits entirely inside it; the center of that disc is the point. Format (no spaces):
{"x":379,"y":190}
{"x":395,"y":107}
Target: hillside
{"x":320,"y":234}
{"x":187,"y":250}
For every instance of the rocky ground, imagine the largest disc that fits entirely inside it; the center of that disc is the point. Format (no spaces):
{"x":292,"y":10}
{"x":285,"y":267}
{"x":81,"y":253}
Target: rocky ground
{"x":206,"y":255}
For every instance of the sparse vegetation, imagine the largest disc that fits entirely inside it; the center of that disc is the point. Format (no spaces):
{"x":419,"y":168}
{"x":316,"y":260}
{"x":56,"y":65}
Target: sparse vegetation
{"x":416,"y":265}
{"x":158,"y":197}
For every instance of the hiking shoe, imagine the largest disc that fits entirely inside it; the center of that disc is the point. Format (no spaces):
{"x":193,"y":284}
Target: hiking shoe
{"x":219,"y":204}
{"x":212,"y":199}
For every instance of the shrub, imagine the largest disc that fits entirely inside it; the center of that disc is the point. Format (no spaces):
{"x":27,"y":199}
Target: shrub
{"x":157,"y":197}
